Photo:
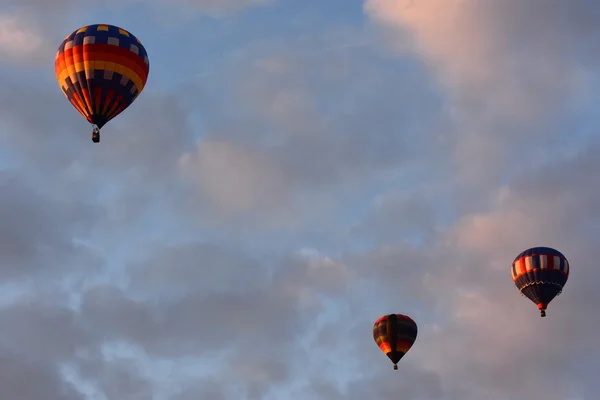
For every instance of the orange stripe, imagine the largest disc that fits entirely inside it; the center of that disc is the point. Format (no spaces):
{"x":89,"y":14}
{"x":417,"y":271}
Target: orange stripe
{"x":521,"y":268}
{"x":536,"y":269}
{"x":81,"y":105}
{"x":78,"y":58}
{"x":102,"y":65}
{"x":385,"y":347}
{"x":110,"y":49}
{"x":77,"y":106}
{"x":110,"y":53}
{"x":88,"y":98}
{"x":126,"y":61}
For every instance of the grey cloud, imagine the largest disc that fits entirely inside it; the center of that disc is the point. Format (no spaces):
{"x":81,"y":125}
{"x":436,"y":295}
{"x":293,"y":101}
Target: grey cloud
{"x":38,"y":132}
{"x":116,"y":379}
{"x":344,"y":115}
{"x":29,"y":381}
{"x":198,"y":325}
{"x":398,"y":272}
{"x":492,"y":32}
{"x":369,"y":371}
{"x":38,"y":233}
{"x":262,"y":369}
{"x":33,"y":30}
{"x":400,"y":215}
{"x":197,"y":267}
{"x":511,"y":69}
{"x":485,"y":321}
{"x":206,"y":389}
{"x":141,"y":148}
{"x":252,"y":371}
{"x":312,"y":120}
{"x":195,"y":321}
{"x":148,"y":138}
{"x":415,"y":385}
{"x":255,"y":322}
{"x":42,"y":333}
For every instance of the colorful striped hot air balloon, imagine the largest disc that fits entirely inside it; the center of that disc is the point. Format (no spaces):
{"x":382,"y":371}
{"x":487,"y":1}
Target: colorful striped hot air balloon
{"x":540,"y":273}
{"x":101,"y":69}
{"x":395,"y":334}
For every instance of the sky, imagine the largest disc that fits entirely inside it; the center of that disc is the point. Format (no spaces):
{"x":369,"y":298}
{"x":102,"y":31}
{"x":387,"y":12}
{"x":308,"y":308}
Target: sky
{"x":292,"y":171}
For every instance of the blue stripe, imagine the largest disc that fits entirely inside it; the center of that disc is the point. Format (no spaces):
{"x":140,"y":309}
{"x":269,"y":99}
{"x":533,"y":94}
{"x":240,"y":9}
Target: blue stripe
{"x":101,"y":37}
{"x":540,"y":250}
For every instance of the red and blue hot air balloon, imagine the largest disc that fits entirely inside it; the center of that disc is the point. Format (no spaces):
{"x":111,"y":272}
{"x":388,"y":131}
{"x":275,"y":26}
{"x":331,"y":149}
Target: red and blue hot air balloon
{"x":395,"y":334}
{"x":540,"y":273}
{"x":101,"y":69}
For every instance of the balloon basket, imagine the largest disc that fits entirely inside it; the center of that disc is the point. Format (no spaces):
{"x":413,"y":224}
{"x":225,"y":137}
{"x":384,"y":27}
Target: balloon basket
{"x":96,"y":135}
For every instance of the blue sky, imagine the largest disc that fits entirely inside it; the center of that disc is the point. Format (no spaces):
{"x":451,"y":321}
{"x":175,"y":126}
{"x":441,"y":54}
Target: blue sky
{"x":292,"y":171}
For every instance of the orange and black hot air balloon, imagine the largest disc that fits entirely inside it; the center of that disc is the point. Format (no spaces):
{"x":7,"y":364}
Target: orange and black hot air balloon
{"x":540,"y":273}
{"x":101,"y":69}
{"x":395,"y":334}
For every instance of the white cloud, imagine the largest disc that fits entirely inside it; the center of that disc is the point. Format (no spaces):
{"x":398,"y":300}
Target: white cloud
{"x":490,"y":44}
{"x":19,"y":39}
{"x":233,"y":177}
{"x":509,"y":70}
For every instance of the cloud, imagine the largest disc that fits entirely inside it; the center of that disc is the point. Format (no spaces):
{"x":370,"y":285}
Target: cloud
{"x":236,"y":235}
{"x":193,"y":325}
{"x":414,"y":212}
{"x":233,"y":177}
{"x":482,"y":323}
{"x":510,"y":68}
{"x":18,"y":375}
{"x":499,"y":44}
{"x":116,"y":378}
{"x":302,"y":128}
{"x":39,"y":231}
{"x":32,"y":30}
{"x":18,"y":41}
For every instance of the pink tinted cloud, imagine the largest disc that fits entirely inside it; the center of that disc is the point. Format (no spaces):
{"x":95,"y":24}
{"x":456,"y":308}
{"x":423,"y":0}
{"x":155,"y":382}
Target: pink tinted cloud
{"x":501,"y":53}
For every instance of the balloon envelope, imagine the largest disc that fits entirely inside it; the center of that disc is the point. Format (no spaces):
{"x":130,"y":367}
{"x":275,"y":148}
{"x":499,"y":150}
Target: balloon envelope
{"x":101,"y":69}
{"x":540,"y":274}
{"x":395,"y":334}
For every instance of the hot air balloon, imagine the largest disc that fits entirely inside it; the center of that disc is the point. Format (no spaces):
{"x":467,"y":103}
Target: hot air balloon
{"x":101,"y":69}
{"x":395,"y":334}
{"x":540,"y":273}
